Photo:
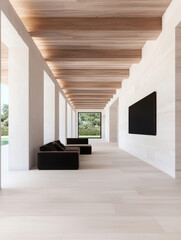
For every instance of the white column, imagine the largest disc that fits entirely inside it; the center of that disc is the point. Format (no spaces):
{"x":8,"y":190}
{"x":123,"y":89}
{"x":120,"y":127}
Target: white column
{"x":18,"y":82}
{"x":62,"y":118}
{"x":103,"y":124}
{"x":107,"y":124}
{"x":0,"y":98}
{"x":18,"y":108}
{"x":113,"y":122}
{"x":69,"y":121}
{"x":73,"y":125}
{"x":178,"y":104}
{"x":49,"y":109}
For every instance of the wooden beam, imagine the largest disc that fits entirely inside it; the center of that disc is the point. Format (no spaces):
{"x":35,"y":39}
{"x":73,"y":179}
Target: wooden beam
{"x":91,"y":79}
{"x":89,"y":85}
{"x":90,"y":64}
{"x":91,"y":54}
{"x":88,"y":107}
{"x":96,"y":75}
{"x":90,"y":104}
{"x":91,"y":72}
{"x":105,"y":23}
{"x":89,"y":92}
{"x":62,"y":38}
{"x":89,"y":96}
{"x":90,"y":8}
{"x":90,"y":101}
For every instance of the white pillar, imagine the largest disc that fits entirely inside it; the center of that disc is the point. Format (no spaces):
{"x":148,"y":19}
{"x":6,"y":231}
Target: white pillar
{"x":18,"y":83}
{"x":49,"y":109}
{"x":0,"y":98}
{"x":113,"y":122}
{"x":69,"y":121}
{"x":62,"y":119}
{"x":73,"y":124}
{"x":107,"y":124}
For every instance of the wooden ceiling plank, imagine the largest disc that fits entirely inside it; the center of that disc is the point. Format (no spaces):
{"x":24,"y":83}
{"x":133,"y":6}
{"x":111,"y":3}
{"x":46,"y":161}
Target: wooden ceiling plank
{"x":87,"y":8}
{"x":105,"y":23}
{"x":90,"y":100}
{"x":88,"y":92}
{"x":90,"y":64}
{"x":89,"y":85}
{"x":4,"y":64}
{"x":86,"y":75}
{"x":77,"y":37}
{"x":93,"y":53}
{"x":89,"y":96}
{"x":90,"y":72}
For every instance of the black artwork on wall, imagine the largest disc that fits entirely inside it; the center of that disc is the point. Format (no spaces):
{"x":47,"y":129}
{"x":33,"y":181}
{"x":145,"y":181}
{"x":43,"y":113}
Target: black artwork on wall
{"x":142,"y":116}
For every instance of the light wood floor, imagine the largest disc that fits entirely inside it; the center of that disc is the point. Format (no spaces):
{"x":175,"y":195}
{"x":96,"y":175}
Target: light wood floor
{"x":113,"y":196}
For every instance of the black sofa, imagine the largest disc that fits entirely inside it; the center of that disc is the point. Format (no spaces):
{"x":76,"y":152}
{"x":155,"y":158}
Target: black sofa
{"x":77,"y":141}
{"x":85,"y":148}
{"x":53,"y":156}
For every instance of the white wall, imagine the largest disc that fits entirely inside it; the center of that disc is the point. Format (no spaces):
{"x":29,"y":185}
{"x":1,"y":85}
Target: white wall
{"x":49,"y":109}
{"x":155,"y":72}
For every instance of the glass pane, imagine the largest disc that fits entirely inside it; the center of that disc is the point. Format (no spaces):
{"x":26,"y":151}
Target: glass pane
{"x":89,"y":125}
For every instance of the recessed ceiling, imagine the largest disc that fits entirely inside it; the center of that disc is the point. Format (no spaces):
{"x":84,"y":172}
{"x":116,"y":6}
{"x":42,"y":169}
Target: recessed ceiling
{"x":91,"y":44}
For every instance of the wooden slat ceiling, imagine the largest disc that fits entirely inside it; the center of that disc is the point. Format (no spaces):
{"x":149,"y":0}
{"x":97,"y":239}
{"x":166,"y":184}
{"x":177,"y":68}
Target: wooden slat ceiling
{"x":4,"y":64}
{"x":91,"y":44}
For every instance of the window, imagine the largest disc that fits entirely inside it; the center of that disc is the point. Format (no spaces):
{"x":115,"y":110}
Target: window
{"x":89,"y":124}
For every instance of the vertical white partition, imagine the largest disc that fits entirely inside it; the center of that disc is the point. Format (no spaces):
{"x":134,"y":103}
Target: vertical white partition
{"x":62,"y":119}
{"x":49,"y":109}
{"x":69,"y":121}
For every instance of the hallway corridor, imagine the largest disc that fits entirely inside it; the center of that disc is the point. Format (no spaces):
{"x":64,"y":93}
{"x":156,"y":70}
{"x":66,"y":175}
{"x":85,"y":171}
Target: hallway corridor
{"x":113,"y":196}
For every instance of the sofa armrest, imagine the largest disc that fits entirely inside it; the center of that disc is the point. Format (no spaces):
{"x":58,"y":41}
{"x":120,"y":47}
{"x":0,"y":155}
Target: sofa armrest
{"x":52,"y":160}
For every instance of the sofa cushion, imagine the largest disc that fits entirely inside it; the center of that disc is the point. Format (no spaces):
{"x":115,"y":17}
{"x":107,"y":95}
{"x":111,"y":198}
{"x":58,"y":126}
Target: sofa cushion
{"x":84,"y":148}
{"x":45,"y":148}
{"x":70,"y":148}
{"x":77,"y":141}
{"x":58,"y":147}
{"x":48,"y":147}
{"x":60,"y":144}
